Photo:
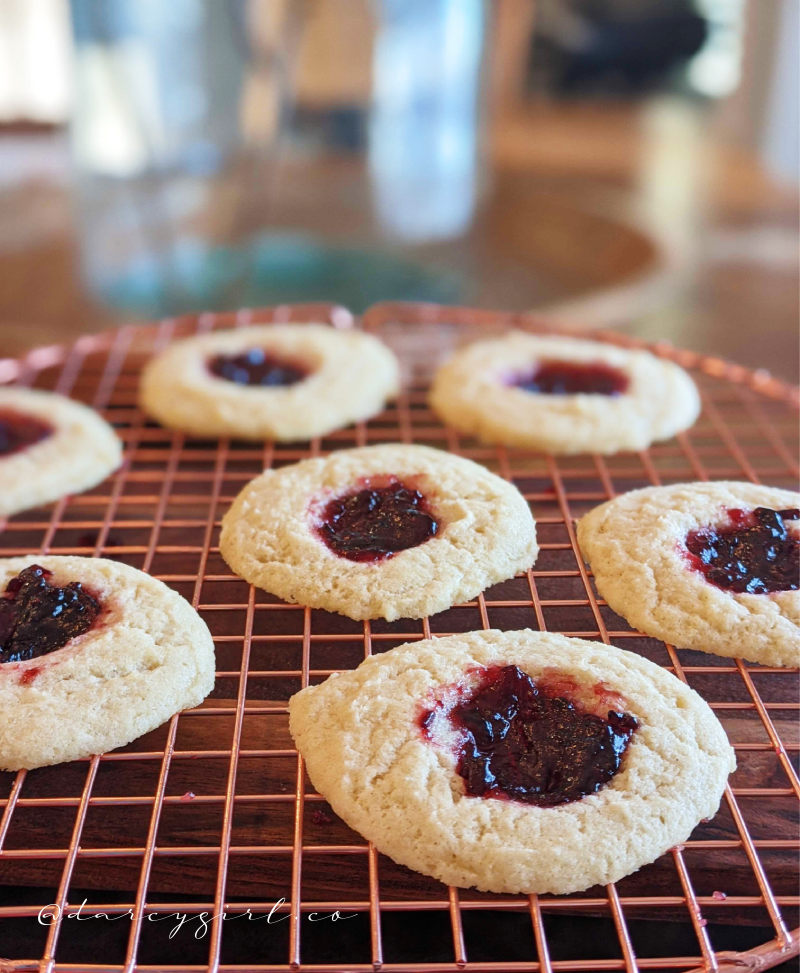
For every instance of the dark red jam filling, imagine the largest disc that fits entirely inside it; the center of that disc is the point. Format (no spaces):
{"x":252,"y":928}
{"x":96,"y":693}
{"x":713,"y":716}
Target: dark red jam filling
{"x":376,"y":522}
{"x":18,"y":431}
{"x":753,"y":553}
{"x":570,"y":378}
{"x":257,"y":367}
{"x":37,"y":617}
{"x":523,"y":741}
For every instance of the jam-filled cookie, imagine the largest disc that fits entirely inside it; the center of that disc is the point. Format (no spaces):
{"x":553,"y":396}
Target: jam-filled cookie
{"x":93,"y":654}
{"x":379,"y":532}
{"x":50,"y":446}
{"x":285,"y":382}
{"x":563,"y":395}
{"x":711,"y":566}
{"x":514,"y":761}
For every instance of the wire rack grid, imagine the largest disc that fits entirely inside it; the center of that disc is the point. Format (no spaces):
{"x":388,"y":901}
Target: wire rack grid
{"x":212,"y":817}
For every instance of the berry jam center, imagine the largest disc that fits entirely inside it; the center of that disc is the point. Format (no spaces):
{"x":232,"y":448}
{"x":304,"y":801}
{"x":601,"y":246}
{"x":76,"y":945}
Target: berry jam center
{"x":753,"y":553}
{"x":571,"y":378}
{"x":257,"y":367}
{"x":524,"y":742}
{"x":37,"y":617}
{"x":18,"y":431}
{"x":376,"y":522}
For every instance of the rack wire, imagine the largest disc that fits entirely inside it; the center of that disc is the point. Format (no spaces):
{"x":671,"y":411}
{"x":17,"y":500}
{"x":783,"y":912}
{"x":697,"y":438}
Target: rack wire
{"x":212,"y":817}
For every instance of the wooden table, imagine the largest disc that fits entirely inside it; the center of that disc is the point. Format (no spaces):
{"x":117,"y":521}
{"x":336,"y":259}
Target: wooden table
{"x":583,"y":217}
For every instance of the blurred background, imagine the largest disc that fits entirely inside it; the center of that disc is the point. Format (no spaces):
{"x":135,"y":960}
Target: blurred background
{"x":627,"y":163}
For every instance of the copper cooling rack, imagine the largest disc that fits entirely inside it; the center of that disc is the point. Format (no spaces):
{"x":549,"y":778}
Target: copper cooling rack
{"x":212,"y":815}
